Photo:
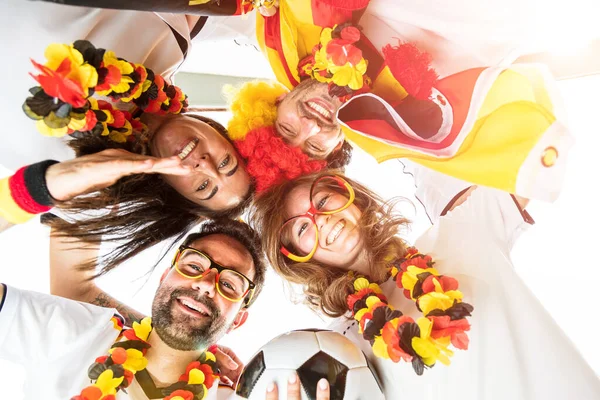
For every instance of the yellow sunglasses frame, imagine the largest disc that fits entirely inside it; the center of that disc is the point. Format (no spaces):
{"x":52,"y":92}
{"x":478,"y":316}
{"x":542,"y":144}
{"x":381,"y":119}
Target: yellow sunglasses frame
{"x":247,"y":296}
{"x":301,"y":259}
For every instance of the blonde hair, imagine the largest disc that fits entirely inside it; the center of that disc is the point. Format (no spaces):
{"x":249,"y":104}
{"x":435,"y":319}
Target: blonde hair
{"x":253,"y":105}
{"x":325,"y":287}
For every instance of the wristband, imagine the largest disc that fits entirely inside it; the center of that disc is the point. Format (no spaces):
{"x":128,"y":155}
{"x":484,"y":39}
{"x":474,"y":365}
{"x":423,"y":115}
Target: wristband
{"x":25,"y":194}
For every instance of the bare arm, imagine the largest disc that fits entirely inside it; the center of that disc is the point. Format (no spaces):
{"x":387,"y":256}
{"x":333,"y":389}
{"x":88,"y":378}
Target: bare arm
{"x":67,"y":280}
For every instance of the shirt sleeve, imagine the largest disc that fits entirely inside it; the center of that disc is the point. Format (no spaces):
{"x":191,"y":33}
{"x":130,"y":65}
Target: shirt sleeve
{"x":433,"y":189}
{"x":494,"y":212}
{"x":36,"y":326}
{"x":490,"y":209}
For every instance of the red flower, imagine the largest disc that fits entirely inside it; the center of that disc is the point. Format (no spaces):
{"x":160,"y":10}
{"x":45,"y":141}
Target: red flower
{"x":209,"y":378}
{"x":130,"y":333}
{"x":353,"y":298}
{"x":351,"y":34}
{"x":56,"y":84}
{"x":343,"y":51}
{"x":185,"y":394}
{"x":443,"y":326}
{"x":101,"y":360}
{"x":136,"y":125}
{"x":113,"y":77}
{"x":419,"y":261}
{"x":447,"y":283}
{"x":90,"y":121}
{"x":91,"y":393}
{"x":391,"y":337}
{"x":119,"y":118}
{"x":191,"y":366}
{"x":411,"y":251}
{"x":128,"y":375}
{"x":119,"y":355}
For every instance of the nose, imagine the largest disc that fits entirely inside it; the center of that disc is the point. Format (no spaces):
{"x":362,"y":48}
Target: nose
{"x":204,"y":164}
{"x":321,"y":220}
{"x":310,"y":128}
{"x":206,"y":284}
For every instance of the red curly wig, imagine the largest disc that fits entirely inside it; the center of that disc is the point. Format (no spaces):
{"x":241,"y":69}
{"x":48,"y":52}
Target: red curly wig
{"x":270,"y":161}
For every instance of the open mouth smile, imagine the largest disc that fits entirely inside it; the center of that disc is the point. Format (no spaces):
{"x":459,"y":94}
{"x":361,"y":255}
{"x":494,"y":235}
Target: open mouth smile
{"x":188,"y":149}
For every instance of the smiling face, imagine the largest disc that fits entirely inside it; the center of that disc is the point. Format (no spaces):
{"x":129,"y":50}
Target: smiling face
{"x":306,"y":118}
{"x":219,"y":180}
{"x":190,"y":314}
{"x":339,"y":241}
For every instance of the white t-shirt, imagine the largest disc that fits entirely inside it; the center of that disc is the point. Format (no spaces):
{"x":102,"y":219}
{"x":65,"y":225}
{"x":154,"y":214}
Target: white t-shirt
{"x":28,"y":27}
{"x":56,"y":340}
{"x":516,"y":350}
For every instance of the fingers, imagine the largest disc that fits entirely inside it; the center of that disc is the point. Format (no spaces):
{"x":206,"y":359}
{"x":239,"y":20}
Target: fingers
{"x":152,"y":165}
{"x":272,"y":392}
{"x":323,"y":389}
{"x":226,"y":358}
{"x":226,"y":381}
{"x":293,"y":390}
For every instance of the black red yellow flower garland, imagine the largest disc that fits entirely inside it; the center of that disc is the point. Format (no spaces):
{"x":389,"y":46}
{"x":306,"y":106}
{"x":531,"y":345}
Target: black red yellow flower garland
{"x":126,"y":357}
{"x":398,"y":337}
{"x":63,"y":103}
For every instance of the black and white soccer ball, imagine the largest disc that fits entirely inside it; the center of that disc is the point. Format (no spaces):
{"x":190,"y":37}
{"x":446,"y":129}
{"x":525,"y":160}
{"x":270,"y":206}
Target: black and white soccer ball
{"x":313,"y":354}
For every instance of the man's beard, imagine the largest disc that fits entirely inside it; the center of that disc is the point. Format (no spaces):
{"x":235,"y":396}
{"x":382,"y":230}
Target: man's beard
{"x":184,"y":333}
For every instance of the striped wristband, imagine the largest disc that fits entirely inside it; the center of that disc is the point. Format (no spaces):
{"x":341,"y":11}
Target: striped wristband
{"x":25,"y":194}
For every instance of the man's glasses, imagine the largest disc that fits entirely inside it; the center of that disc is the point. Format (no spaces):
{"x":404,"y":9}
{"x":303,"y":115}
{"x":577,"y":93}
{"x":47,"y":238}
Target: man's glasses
{"x":195,"y":264}
{"x":299,"y":236}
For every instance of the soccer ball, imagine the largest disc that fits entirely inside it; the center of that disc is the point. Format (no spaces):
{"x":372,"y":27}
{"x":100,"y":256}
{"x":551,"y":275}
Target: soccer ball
{"x":313,"y":354}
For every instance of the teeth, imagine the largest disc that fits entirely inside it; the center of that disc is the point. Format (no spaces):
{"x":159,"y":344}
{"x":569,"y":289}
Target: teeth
{"x":321,"y":110}
{"x":187,"y":149}
{"x":335,"y":232}
{"x":193,"y":307}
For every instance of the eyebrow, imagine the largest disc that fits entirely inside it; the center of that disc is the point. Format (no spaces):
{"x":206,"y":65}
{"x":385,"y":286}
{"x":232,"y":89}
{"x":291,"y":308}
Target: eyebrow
{"x":212,"y":194}
{"x":234,"y":170}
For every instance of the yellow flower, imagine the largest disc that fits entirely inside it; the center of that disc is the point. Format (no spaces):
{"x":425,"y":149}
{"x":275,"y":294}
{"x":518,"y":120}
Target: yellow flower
{"x":110,"y":60}
{"x":431,"y":350}
{"x":121,"y":137}
{"x":363,"y":283}
{"x":434,"y":300}
{"x":47,"y":131}
{"x":372,"y":301}
{"x":196,"y":377}
{"x":410,"y":276}
{"x":77,"y":124}
{"x":80,"y":72}
{"x":107,"y":384}
{"x":135,"y":361}
{"x":210,"y":356}
{"x":380,"y":348}
{"x":349,"y":75}
{"x":142,"y":330}
{"x":326,"y":36}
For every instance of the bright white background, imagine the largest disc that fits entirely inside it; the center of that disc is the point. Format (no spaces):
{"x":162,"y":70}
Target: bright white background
{"x":556,"y":257}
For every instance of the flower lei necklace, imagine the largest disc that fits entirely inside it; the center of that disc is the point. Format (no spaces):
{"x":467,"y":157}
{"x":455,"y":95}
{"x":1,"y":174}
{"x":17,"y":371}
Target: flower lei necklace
{"x":395,"y":336}
{"x":126,"y":357}
{"x":63,"y":103}
{"x":338,"y":61}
